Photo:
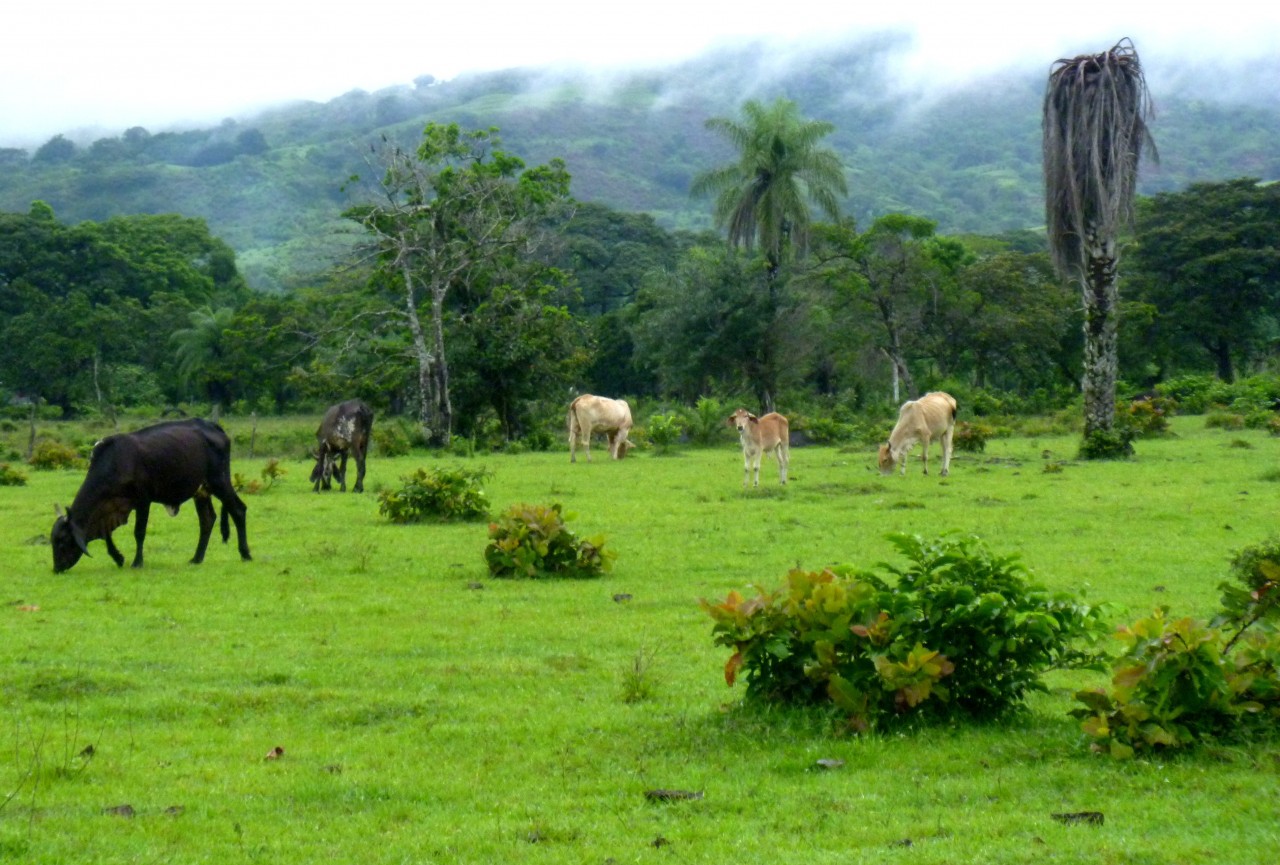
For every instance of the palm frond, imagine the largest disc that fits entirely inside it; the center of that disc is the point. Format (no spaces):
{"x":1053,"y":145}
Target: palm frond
{"x":1096,"y":109}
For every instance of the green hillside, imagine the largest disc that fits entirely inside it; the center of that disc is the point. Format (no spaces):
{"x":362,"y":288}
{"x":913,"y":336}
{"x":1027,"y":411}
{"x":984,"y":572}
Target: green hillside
{"x":272,"y":185}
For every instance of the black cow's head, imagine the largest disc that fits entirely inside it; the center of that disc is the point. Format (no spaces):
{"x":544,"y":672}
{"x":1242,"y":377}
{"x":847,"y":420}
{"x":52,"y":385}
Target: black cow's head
{"x":68,"y":542}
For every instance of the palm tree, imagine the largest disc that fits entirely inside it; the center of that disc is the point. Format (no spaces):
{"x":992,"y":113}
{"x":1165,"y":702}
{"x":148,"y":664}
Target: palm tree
{"x":762,"y":197}
{"x":200,"y":351}
{"x":1096,"y":108}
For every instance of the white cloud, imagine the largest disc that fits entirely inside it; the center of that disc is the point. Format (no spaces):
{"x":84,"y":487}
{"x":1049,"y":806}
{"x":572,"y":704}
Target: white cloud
{"x":67,"y":65}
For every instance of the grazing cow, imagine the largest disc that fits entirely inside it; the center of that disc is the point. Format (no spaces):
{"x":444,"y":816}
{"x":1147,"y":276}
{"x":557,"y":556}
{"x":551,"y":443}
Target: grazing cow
{"x":920,"y":420}
{"x":761,"y":435}
{"x":589,"y":414}
{"x":345,"y":428}
{"x":168,"y":463}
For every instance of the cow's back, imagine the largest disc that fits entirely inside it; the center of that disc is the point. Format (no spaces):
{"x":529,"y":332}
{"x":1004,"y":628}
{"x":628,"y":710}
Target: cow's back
{"x":164,"y":463}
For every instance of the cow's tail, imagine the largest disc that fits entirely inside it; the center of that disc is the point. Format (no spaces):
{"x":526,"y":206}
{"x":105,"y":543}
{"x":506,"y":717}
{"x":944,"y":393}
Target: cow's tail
{"x":571,"y":421}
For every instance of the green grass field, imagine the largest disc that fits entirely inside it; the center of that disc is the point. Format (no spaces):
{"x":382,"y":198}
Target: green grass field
{"x":430,"y":714}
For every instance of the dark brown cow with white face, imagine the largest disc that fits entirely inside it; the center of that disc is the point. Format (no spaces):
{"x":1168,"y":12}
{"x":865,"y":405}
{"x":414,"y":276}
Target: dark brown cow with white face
{"x":345,"y":428}
{"x":168,"y":463}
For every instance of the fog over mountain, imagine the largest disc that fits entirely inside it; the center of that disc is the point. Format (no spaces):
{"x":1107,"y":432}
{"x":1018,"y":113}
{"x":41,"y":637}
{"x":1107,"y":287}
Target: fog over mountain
{"x":956,"y":142}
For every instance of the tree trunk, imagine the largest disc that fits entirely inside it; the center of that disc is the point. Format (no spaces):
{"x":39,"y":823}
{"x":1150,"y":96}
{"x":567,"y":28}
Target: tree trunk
{"x":444,"y":405}
{"x":1101,"y":348}
{"x":1221,"y":351}
{"x":426,"y":379}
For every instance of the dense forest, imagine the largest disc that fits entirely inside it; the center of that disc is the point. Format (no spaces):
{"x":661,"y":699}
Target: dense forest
{"x":469,"y":253}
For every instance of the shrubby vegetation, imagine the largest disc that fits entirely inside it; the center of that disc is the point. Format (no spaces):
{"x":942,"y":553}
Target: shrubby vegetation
{"x":437,"y":495}
{"x":534,"y":541}
{"x":1185,"y":681}
{"x":957,"y":632}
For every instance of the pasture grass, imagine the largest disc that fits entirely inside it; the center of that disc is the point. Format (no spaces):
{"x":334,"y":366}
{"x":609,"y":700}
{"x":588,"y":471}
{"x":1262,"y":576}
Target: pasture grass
{"x":428,"y":713}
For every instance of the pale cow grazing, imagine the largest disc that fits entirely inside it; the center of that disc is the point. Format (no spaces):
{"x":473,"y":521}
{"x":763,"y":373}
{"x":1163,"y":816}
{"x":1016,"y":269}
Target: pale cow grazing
{"x":761,"y":435}
{"x":920,"y":420}
{"x":591,"y":414}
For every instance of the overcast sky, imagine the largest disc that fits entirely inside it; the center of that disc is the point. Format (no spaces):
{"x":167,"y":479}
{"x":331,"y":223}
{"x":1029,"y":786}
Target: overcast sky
{"x":90,"y":68}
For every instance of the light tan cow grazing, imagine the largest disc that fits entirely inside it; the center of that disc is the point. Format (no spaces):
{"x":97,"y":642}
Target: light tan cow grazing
{"x":761,"y":435}
{"x":589,"y":414}
{"x":920,"y":420}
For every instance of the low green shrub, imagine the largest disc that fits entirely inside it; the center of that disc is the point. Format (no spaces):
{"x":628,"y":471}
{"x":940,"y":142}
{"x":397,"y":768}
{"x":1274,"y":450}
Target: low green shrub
{"x":663,"y":432}
{"x":11,"y":477}
{"x":827,"y":430}
{"x":1183,"y":682}
{"x":957,"y":632}
{"x":391,"y":440}
{"x":438,"y":495}
{"x":705,"y":423}
{"x":1113,"y":444}
{"x":533,"y":541}
{"x":972,"y":437}
{"x":1224,"y":420}
{"x":50,"y":455}
{"x":1145,"y":418}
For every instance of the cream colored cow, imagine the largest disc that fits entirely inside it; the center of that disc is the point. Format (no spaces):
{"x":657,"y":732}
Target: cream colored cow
{"x":920,"y":420}
{"x":589,"y":414}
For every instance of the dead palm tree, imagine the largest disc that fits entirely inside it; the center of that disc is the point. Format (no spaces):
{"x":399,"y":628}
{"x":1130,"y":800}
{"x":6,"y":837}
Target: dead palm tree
{"x":1096,"y":108}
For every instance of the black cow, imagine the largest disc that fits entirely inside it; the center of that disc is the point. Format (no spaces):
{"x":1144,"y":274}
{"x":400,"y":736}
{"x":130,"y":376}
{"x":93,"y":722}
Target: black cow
{"x":345,"y":427}
{"x":167,"y":463}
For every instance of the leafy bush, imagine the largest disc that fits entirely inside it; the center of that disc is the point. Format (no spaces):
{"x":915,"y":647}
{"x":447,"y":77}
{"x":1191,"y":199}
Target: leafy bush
{"x":958,"y":631}
{"x":49,"y":454}
{"x":663,"y":431}
{"x":827,"y":431}
{"x":1224,"y":420}
{"x":391,"y":440}
{"x":533,"y":541}
{"x":1145,"y":417}
{"x":1192,"y":394}
{"x":11,"y":477}
{"x":972,"y":437}
{"x":438,"y":495}
{"x":705,"y":423}
{"x":1181,"y":682}
{"x":1113,"y":444}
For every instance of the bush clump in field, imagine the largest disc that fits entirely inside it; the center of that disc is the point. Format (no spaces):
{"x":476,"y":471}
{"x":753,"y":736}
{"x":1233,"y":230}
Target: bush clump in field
{"x":956,"y":632}
{"x":972,"y":437}
{"x":1181,"y":682}
{"x":533,"y":541}
{"x":438,"y":495}
{"x":1145,"y":418}
{"x":49,"y":455}
{"x":664,"y":431}
{"x":11,"y":477}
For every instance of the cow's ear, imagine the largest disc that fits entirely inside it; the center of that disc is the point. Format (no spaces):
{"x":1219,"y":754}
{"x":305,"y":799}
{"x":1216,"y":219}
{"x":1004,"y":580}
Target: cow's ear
{"x":753,"y":418}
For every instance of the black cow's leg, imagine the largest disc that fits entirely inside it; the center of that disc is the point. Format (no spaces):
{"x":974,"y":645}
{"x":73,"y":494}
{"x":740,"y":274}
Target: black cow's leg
{"x":114,"y":552}
{"x":139,"y":532}
{"x":359,"y":455}
{"x":232,"y":504}
{"x":204,"y":511}
{"x":342,"y":473}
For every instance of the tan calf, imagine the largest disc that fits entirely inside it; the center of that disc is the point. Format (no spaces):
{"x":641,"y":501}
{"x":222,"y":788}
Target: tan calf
{"x":768,"y":434}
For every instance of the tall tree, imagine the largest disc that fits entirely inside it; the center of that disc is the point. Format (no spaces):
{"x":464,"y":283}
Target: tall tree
{"x":1096,"y":108}
{"x":455,"y":216}
{"x":1208,"y":261}
{"x":892,"y":274}
{"x":763,"y":197}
